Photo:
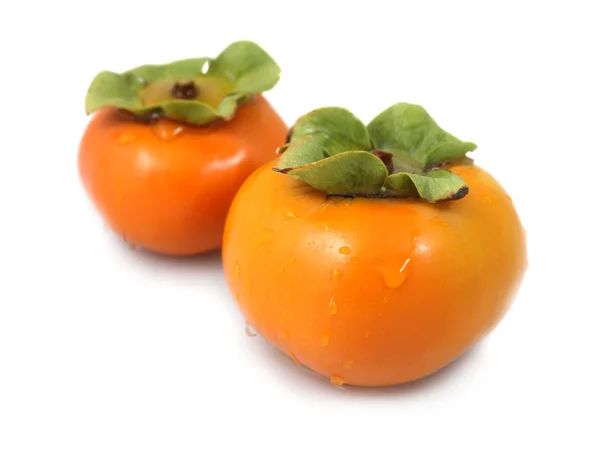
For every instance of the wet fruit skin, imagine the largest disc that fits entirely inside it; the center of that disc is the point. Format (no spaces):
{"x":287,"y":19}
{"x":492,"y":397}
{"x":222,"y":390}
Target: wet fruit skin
{"x":415,"y":285}
{"x":166,"y":186}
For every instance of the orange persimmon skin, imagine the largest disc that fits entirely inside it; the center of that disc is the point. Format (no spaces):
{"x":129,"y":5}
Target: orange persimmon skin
{"x":372,"y":292}
{"x":166,"y":187}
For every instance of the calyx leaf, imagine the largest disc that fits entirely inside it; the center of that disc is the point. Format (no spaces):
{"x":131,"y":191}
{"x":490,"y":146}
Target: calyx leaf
{"x":396,"y":155}
{"x":407,"y":129}
{"x":339,"y":128}
{"x":214,"y":88}
{"x":432,"y":186}
{"x":359,"y":172}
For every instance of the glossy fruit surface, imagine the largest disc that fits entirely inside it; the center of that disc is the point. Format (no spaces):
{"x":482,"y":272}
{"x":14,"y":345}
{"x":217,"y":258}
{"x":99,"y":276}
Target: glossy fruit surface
{"x":166,"y":186}
{"x":372,"y":291}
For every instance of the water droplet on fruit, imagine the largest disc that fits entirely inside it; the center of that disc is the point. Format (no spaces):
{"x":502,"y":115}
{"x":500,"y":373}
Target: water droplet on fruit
{"x":394,"y":277}
{"x":326,"y":337}
{"x":282,"y":269}
{"x":237,"y":297}
{"x":250,"y":330}
{"x":439,"y":221}
{"x":336,"y":274}
{"x":293,"y":259}
{"x":336,"y":380}
{"x":294,"y":358}
{"x":125,"y":138}
{"x":289,"y":217}
{"x":385,"y":300}
{"x":167,"y":130}
{"x":248,"y":285}
{"x":237,"y":269}
{"x":284,"y":334}
{"x":349,"y":363}
{"x":332,"y":306}
{"x":129,"y":244}
{"x":345,"y":250}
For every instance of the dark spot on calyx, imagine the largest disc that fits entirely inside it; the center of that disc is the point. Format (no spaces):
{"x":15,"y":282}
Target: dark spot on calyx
{"x":386,"y":158}
{"x":185,"y":90}
{"x":288,"y":138}
{"x":460,"y":193}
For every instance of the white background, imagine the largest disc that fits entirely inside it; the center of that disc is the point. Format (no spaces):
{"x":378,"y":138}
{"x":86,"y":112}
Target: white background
{"x":105,"y":351}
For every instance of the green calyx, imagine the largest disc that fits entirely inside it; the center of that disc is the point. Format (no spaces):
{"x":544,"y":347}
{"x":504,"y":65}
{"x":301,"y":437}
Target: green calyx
{"x":400,"y":153}
{"x":196,"y":91}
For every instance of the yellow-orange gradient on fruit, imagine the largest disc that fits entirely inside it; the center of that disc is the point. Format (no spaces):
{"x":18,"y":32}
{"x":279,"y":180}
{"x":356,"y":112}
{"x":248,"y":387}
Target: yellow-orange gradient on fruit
{"x":166,"y":186}
{"x":372,"y":291}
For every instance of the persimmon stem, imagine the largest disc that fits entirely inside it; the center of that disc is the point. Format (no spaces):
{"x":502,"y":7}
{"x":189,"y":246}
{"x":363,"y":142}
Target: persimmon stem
{"x":185,"y":90}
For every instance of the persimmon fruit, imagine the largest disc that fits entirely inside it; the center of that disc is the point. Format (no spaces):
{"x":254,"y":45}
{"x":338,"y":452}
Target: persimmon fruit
{"x":169,"y":145}
{"x":373,"y":255}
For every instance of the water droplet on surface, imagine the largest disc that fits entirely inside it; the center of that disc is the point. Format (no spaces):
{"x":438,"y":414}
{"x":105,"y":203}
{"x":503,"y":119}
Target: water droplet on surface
{"x":167,"y":130}
{"x":125,"y":138}
{"x":367,"y":334}
{"x":248,"y":285}
{"x":332,"y":306}
{"x":289,"y":217}
{"x":293,"y":259}
{"x":336,"y":380}
{"x":294,"y":358}
{"x":385,"y":300}
{"x":282,"y":269}
{"x":336,"y":274}
{"x":488,"y":199}
{"x":349,"y":363}
{"x":129,"y":244}
{"x":394,"y":277}
{"x":284,"y":334}
{"x":250,"y":330}
{"x":439,"y":221}
{"x":326,"y":337}
{"x":237,"y":297}
{"x":237,"y":269}
{"x":345,"y":250}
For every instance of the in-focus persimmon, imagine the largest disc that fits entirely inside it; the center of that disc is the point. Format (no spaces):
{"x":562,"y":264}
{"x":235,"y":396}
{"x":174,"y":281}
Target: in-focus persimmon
{"x":169,"y":145}
{"x":374,"y":255}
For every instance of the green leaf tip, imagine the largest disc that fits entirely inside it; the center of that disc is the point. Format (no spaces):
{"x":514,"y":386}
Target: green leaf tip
{"x":196,"y":91}
{"x":402,"y":152}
